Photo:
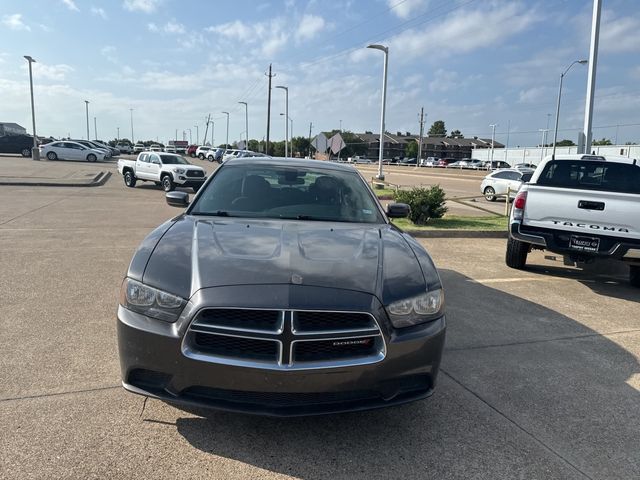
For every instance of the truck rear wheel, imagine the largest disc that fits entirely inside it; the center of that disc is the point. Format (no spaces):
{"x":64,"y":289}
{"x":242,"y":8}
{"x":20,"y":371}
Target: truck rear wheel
{"x":129,"y":179}
{"x":634,"y":275}
{"x":517,"y":252}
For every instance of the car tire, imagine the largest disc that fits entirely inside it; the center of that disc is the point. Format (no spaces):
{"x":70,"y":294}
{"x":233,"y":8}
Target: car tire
{"x":26,"y":152}
{"x":210,"y":158}
{"x":129,"y":179}
{"x":634,"y":275}
{"x":52,"y":156}
{"x":517,"y":252}
{"x":167,"y":183}
{"x":490,"y":194}
{"x":201,"y":156}
{"x":91,"y":158}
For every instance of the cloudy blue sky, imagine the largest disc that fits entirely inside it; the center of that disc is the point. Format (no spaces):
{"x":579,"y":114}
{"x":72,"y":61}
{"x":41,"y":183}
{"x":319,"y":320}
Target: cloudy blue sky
{"x":468,"y":62}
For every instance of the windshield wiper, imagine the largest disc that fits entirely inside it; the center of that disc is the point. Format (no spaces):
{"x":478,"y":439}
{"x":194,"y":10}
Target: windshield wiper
{"x":218,"y":213}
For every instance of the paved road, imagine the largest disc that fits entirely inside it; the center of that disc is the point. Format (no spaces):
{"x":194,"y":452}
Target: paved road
{"x":540,"y":378}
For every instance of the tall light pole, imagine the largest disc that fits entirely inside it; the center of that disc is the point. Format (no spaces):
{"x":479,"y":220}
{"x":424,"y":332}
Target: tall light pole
{"x":493,"y":140}
{"x":118,"y":137}
{"x":35,"y":153}
{"x":190,"y":138}
{"x":197,"y":135}
{"x":213,"y":126}
{"x":290,"y":133}
{"x":385,"y":50}
{"x":286,"y":120}
{"x":555,"y":131}
{"x":246,"y":123}
{"x":87,"y":106}
{"x":95,"y":128}
{"x":591,"y":78}
{"x":544,"y":141}
{"x":131,"y":111}
{"x":227,"y":142}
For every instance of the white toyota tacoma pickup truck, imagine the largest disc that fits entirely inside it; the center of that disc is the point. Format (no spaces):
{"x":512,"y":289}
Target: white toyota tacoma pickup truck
{"x":584,"y":207}
{"x":166,"y":169}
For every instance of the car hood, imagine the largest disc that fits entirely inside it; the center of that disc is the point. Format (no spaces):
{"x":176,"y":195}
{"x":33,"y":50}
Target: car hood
{"x":196,"y":253}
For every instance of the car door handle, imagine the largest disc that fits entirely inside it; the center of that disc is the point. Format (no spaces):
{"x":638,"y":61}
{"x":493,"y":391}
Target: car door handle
{"x":587,"y":205}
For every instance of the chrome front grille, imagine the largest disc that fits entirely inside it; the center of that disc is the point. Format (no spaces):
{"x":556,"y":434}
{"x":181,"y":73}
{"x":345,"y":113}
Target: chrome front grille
{"x":284,"y":339}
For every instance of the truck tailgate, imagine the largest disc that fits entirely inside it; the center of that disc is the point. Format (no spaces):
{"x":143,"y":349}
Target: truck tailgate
{"x":583,"y":211}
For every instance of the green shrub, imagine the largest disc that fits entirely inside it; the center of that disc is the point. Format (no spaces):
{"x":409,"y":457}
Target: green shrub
{"x":425,"y":203}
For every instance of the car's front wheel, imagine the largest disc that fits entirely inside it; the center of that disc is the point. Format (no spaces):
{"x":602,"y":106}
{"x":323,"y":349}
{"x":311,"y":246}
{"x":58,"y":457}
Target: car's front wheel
{"x":167,"y":183}
{"x":201,"y":156}
{"x":129,"y":179}
{"x":52,"y":156}
{"x":26,"y":152}
{"x":517,"y":252}
{"x":490,"y":194}
{"x":91,"y":157}
{"x":634,"y":275}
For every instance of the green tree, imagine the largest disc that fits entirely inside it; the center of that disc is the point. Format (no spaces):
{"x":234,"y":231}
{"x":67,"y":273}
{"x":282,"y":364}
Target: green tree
{"x":565,"y":143}
{"x":604,"y":141}
{"x":299,"y":146}
{"x":438,"y":129}
{"x":456,"y":134}
{"x":412,"y":149}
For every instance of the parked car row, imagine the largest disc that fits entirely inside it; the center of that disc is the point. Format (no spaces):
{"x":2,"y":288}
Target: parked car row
{"x":73,"y":150}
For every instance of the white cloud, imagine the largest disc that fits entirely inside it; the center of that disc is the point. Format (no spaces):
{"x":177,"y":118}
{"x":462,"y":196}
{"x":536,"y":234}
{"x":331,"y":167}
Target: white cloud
{"x":152,"y":27}
{"x":109,"y":52}
{"x":50,"y":72}
{"x":99,"y":12}
{"x":465,"y":31}
{"x":404,"y":9}
{"x":310,"y":26}
{"x":14,"y":22}
{"x":535,"y":95}
{"x":443,"y":81}
{"x":173,"y":27}
{"x":146,"y":6}
{"x":269,"y":35}
{"x":71,"y":5}
{"x":620,"y":35}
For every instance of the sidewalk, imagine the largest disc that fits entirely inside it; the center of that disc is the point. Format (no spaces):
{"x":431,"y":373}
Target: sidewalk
{"x":16,"y":170}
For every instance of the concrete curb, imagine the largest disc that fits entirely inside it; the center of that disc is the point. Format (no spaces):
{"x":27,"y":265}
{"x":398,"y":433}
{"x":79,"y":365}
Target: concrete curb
{"x":452,"y":233}
{"x":97,"y":181}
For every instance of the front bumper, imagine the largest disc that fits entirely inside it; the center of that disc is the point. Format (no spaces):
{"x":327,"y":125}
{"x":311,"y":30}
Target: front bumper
{"x":153,"y":363}
{"x":557,"y":241}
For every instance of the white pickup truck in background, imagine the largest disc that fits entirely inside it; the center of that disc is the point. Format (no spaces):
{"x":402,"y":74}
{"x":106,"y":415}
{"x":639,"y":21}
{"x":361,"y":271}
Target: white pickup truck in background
{"x":584,"y":207}
{"x":166,"y":169}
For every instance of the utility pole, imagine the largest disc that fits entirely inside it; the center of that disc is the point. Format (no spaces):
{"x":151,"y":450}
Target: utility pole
{"x":310,"y":127}
{"x":420,"y":138}
{"x":270,"y":75}
{"x":206,"y":130}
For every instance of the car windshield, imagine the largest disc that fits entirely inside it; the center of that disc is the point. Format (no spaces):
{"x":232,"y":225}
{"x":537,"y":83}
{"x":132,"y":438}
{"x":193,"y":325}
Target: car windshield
{"x":284,"y":192}
{"x":592,"y":175}
{"x":173,"y":160}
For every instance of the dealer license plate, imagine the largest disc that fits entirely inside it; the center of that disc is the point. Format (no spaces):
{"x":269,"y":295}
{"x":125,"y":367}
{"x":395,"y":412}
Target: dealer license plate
{"x":584,"y":244}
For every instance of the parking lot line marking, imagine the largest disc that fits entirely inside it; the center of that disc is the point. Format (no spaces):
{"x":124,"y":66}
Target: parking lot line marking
{"x":57,"y":394}
{"x":547,"y":340}
{"x":516,"y":424}
{"x":515,"y":279}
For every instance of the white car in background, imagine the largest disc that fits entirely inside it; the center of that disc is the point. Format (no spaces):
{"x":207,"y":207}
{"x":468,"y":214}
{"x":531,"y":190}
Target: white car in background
{"x":68,"y":150}
{"x":201,"y":151}
{"x":501,"y":182}
{"x":229,"y":154}
{"x":155,"y":148}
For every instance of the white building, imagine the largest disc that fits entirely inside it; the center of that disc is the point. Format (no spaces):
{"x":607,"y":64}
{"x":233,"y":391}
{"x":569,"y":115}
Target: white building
{"x":7,"y":128}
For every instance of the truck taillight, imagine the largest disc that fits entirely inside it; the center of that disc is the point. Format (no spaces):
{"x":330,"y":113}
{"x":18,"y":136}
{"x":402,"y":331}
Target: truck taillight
{"x":520,"y":200}
{"x":518,"y":205}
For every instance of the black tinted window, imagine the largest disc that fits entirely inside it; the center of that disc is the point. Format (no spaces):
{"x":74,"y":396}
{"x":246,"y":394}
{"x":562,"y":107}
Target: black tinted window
{"x":503,"y":175}
{"x":592,"y":175}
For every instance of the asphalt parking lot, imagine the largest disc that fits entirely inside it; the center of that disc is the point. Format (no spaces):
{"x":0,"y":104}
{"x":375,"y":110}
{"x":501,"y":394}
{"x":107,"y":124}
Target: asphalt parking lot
{"x":540,"y":377}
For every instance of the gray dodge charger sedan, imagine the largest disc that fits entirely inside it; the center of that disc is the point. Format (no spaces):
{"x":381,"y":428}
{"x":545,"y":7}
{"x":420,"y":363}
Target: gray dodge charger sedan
{"x":282,"y":289}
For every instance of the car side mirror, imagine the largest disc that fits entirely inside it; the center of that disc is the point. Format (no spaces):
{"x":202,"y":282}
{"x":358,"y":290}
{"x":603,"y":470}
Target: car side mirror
{"x":398,"y":210}
{"x":178,"y":199}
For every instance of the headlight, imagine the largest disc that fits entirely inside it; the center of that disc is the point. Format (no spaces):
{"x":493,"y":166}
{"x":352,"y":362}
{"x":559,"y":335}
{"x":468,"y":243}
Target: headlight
{"x":179,"y":170}
{"x":150,"y":301}
{"x":415,"y":310}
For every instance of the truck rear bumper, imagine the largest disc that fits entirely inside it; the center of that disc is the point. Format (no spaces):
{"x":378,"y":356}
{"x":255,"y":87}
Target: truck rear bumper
{"x":557,"y":241}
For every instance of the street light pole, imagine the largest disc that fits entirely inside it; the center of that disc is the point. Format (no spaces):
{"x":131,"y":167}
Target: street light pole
{"x":286,"y":120}
{"x":246,"y":123}
{"x":544,"y":141}
{"x":493,"y":140}
{"x":197,"y":135}
{"x":213,"y":126}
{"x":385,"y":50}
{"x":87,"y":107}
{"x":226,"y":145}
{"x":35,"y":153}
{"x":555,"y":130}
{"x":95,"y":128}
{"x":190,"y":138}
{"x":591,"y":77}
{"x":131,"y":111}
{"x":118,"y":138}
{"x":290,"y":134}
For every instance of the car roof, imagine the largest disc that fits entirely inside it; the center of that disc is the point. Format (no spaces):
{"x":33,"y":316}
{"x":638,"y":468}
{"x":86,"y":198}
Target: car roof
{"x":290,"y":162}
{"x":603,"y":158}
